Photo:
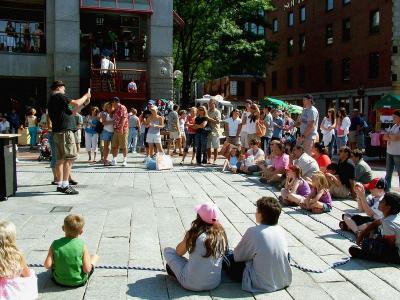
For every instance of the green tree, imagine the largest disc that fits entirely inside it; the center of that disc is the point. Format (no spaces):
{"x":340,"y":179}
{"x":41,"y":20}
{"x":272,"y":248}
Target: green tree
{"x":215,"y":42}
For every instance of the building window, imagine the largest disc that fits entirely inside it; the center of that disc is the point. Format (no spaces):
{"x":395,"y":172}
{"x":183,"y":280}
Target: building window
{"x":275,"y":25}
{"x":346,"y":69}
{"x":254,"y":89}
{"x":302,"y":76}
{"x":290,"y":19}
{"x":302,"y":14}
{"x":374,"y":21}
{"x":290,"y":47}
{"x":302,"y":42}
{"x":274,"y":80}
{"x":329,"y":5}
{"x":328,"y":72}
{"x":289,"y":73}
{"x":345,"y":2}
{"x":346,"y":34}
{"x":373,"y":65}
{"x":394,"y":77}
{"x":329,"y":34}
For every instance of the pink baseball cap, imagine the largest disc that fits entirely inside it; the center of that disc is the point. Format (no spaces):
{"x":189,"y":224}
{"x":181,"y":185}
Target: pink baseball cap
{"x":208,"y":212}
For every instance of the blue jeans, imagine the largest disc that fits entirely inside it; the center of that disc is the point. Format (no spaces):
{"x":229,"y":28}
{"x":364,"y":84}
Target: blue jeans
{"x":392,"y":162}
{"x":341,"y":141}
{"x":331,"y":146}
{"x":132,"y":139}
{"x":201,"y":147}
{"x":33,"y":134}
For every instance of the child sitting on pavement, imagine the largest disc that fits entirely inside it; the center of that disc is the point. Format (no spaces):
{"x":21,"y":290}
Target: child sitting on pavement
{"x":254,"y":155}
{"x":206,"y":243}
{"x":368,"y":205}
{"x":68,"y":257}
{"x":384,"y":247}
{"x":296,"y":188}
{"x":233,"y":162}
{"x":320,"y":200}
{"x":17,"y":281}
{"x":260,"y":261}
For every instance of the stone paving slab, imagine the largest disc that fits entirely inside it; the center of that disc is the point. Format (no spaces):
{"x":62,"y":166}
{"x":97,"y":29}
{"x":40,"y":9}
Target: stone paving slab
{"x":132,"y":214}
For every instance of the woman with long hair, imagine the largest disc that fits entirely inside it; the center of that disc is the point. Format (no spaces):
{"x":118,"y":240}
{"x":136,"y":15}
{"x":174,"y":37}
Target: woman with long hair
{"x":320,"y":154}
{"x":191,"y":134}
{"x":251,"y":125}
{"x":31,"y":122}
{"x":327,"y":127}
{"x":206,"y":243}
{"x":91,"y":135}
{"x":342,"y":127}
{"x":108,"y":131}
{"x":201,"y":135}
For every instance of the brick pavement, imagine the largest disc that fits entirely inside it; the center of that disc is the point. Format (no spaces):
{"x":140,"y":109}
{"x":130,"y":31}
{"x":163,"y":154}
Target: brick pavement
{"x":132,"y":214}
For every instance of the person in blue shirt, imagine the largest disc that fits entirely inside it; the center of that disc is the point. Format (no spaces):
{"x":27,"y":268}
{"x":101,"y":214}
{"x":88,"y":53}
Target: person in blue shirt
{"x":278,"y":125}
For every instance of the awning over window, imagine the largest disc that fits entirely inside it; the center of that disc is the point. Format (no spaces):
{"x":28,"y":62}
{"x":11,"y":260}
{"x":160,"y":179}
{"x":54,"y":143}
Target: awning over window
{"x":137,"y":6}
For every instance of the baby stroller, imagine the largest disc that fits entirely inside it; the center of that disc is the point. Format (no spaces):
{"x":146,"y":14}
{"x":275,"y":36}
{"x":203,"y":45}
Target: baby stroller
{"x":44,"y":148}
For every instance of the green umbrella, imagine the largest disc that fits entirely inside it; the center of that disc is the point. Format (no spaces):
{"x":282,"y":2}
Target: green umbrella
{"x":275,"y":103}
{"x":389,"y":101}
{"x":295,"y":109}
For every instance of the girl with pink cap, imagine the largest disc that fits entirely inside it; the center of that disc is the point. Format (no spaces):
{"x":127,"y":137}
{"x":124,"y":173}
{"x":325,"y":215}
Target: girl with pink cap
{"x":206,"y":243}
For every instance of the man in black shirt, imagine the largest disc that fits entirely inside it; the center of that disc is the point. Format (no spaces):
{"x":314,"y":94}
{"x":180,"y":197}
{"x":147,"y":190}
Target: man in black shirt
{"x":342,"y":183}
{"x":61,"y":113}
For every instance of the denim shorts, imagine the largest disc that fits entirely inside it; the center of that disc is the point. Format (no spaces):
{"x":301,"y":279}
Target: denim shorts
{"x":106,"y":136}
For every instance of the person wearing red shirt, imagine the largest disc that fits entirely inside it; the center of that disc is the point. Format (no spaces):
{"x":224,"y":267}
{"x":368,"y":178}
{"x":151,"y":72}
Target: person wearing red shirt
{"x":320,"y":154}
{"x":191,"y":134}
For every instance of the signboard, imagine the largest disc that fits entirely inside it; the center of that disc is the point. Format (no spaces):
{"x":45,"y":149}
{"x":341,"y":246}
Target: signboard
{"x":292,"y":3}
{"x":233,"y":88}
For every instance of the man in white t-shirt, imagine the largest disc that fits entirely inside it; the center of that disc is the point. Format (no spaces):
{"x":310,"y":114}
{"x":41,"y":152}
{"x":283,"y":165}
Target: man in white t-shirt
{"x":232,"y":128}
{"x":106,"y":67}
{"x":393,"y":149}
{"x":132,"y":87}
{"x":243,"y":126}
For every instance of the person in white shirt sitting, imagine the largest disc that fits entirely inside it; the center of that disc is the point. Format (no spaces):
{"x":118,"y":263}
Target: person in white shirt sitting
{"x":132,"y":87}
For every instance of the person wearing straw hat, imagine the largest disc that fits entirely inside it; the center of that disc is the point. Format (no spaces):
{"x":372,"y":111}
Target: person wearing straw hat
{"x":61,"y":112}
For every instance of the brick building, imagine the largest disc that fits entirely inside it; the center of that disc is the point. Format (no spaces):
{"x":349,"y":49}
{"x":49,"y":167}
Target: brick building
{"x":344,"y":52}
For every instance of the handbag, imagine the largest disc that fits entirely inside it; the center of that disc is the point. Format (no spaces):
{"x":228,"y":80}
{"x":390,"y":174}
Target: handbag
{"x":163,"y":162}
{"x":261,"y":129}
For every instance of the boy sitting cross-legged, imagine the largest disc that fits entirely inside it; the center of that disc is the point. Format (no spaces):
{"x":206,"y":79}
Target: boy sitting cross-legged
{"x":385,"y":246}
{"x":68,"y":257}
{"x":261,"y":259}
{"x":368,"y":205}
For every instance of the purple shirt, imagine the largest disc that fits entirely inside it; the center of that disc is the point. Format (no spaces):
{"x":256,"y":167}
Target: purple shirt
{"x":303,"y":189}
{"x":325,"y":198}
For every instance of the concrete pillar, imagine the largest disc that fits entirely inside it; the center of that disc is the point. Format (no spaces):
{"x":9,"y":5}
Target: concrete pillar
{"x":63,"y":44}
{"x":160,"y":39}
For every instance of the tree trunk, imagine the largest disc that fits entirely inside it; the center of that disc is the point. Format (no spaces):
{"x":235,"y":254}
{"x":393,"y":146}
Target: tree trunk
{"x":186,"y":88}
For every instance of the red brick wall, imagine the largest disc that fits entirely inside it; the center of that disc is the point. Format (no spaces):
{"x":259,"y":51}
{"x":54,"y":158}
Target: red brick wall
{"x":361,"y":44}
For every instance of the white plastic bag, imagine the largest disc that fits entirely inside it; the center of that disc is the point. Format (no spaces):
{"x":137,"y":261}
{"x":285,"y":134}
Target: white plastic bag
{"x":163,"y":162}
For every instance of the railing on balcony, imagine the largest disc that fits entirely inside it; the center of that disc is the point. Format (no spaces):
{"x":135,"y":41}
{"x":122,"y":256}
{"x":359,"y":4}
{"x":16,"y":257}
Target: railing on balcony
{"x":22,"y":37}
{"x":106,"y":83}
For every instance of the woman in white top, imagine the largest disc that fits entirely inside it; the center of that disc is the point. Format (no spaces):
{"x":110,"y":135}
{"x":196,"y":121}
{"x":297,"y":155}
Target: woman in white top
{"x":155,"y":123}
{"x":108,"y":131}
{"x":251,"y":125}
{"x":342,"y":126}
{"x":327,"y":127}
{"x":393,"y":149}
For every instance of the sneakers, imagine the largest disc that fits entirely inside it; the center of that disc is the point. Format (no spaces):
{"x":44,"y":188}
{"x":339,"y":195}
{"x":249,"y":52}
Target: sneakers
{"x":113,"y":162}
{"x":69,"y":190}
{"x":73,"y":182}
{"x":124,"y":163}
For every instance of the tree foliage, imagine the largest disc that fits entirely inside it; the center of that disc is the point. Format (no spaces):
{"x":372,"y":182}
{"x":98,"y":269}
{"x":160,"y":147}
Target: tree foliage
{"x":214,"y":41}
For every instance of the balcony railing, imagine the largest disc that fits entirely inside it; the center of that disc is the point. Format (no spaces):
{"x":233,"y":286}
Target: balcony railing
{"x":106,"y":83}
{"x":34,"y":42}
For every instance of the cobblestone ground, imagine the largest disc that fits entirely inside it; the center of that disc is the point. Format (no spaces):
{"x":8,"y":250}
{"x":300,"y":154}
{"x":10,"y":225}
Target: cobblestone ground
{"x":132,"y":214}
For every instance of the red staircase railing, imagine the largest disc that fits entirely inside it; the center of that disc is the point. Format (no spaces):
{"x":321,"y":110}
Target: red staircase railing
{"x":118,"y":81}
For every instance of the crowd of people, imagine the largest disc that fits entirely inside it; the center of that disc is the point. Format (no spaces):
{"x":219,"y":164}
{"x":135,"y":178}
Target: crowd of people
{"x":284,"y":152}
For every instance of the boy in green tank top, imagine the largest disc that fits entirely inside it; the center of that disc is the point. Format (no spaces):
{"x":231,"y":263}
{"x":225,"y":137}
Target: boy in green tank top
{"x":68,"y":257}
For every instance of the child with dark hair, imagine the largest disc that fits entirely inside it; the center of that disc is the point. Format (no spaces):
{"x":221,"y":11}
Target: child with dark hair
{"x":206,"y":243}
{"x":385,"y":247}
{"x":261,"y":259}
{"x":368,"y":205}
